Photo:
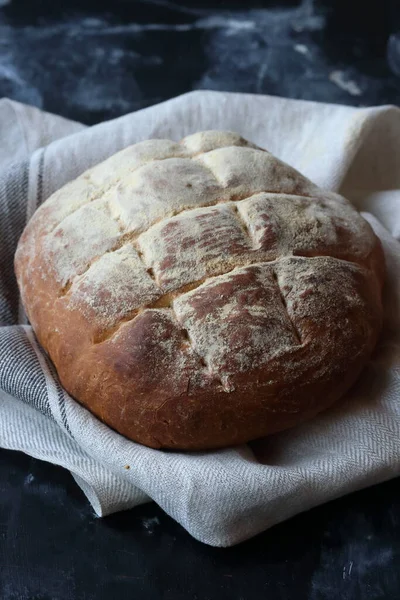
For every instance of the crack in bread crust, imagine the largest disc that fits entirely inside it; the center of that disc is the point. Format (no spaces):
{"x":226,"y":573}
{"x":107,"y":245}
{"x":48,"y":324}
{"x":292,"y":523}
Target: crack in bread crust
{"x":165,"y":301}
{"x":131,"y":236}
{"x":100,"y":192}
{"x":296,"y":332}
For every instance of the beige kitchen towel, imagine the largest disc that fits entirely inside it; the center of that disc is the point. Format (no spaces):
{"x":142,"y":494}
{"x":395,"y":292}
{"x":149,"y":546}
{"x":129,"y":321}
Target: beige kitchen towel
{"x":220,"y":497}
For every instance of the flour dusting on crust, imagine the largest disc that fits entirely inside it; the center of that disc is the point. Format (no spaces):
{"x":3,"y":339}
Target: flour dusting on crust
{"x":202,"y":285}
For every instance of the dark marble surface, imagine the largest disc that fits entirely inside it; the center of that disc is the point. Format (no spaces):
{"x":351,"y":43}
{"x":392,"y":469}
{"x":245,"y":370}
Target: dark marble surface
{"x":92,"y":60}
{"x":53,"y":548}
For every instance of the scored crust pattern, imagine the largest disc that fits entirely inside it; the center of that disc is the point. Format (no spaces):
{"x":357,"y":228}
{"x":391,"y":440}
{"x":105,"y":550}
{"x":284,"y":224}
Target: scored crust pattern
{"x":227,"y":254}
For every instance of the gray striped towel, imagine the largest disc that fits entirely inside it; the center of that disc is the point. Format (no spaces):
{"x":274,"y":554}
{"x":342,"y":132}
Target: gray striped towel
{"x":226,"y":496}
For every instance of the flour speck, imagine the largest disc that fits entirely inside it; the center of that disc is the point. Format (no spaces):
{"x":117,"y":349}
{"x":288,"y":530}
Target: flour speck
{"x":150,"y":524}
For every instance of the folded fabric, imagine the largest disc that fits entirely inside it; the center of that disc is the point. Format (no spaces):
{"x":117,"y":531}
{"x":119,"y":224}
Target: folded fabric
{"x":220,"y":497}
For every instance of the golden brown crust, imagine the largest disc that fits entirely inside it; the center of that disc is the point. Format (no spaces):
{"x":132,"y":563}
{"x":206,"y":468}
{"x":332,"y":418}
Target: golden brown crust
{"x":201,"y":294}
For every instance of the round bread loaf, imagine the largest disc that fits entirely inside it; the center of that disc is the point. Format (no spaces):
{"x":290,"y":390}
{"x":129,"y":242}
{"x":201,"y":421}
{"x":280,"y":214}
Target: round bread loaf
{"x":200,"y":294}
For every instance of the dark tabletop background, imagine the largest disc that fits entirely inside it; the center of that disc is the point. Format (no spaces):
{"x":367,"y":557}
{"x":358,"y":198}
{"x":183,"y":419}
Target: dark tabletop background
{"x":91,"y":60}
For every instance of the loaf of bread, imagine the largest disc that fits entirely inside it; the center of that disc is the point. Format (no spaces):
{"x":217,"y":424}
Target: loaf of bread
{"x":200,"y":294}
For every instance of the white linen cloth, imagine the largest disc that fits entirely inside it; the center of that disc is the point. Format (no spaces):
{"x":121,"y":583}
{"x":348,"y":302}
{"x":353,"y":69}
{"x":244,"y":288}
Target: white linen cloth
{"x":220,"y":497}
